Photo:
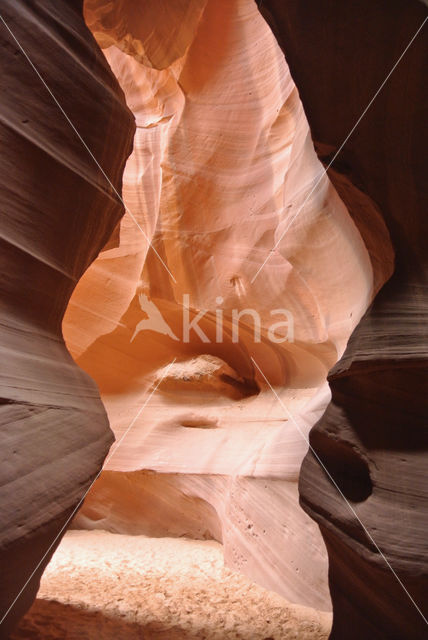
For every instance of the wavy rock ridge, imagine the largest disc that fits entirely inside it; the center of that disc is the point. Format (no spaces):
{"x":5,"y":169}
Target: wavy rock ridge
{"x":223,"y":169}
{"x":57,"y":213}
{"x":372,"y":437}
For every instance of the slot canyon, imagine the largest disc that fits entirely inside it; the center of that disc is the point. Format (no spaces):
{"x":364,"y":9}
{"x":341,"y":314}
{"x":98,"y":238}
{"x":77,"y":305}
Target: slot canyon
{"x":214,"y":318}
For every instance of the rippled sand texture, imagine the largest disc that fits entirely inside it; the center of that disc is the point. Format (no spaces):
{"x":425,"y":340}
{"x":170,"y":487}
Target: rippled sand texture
{"x":103,"y":586}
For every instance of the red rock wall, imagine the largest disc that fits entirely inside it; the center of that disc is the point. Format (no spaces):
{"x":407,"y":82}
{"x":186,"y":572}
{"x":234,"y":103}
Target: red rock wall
{"x":371,"y":436}
{"x":57,"y":212}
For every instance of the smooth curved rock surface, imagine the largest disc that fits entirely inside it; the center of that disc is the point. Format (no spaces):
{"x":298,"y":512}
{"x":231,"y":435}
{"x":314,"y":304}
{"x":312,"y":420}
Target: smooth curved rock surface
{"x":372,"y":437}
{"x":223,"y":176}
{"x":222,"y":164}
{"x":57,"y":213}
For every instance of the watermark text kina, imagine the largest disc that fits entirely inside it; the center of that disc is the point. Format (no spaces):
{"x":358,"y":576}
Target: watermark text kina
{"x":279,"y":331}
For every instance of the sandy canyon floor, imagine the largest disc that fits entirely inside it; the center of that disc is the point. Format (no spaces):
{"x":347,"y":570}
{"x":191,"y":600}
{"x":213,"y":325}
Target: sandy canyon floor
{"x":118,"y":587}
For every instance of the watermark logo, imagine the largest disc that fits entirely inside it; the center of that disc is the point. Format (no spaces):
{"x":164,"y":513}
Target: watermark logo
{"x":279,"y":330}
{"x":154,"y":321}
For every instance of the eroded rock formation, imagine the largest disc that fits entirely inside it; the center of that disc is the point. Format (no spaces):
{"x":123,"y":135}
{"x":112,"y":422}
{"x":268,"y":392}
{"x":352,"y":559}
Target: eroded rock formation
{"x":228,"y":210}
{"x":223,"y":170}
{"x":372,"y":437}
{"x":57,"y":211}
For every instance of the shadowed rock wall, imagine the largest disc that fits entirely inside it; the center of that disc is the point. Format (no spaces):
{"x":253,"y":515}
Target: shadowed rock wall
{"x":371,"y":437}
{"x":57,"y":212}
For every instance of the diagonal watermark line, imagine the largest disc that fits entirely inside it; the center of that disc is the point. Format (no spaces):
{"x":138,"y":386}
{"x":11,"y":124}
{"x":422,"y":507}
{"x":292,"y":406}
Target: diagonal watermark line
{"x":155,"y":388}
{"x":351,"y":508}
{"x":338,"y":151}
{"x":119,"y":197}
{"x":73,"y":513}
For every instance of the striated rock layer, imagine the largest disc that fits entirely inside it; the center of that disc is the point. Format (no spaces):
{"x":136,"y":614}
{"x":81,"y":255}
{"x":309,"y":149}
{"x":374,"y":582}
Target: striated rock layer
{"x":228,"y":211}
{"x":220,"y":179}
{"x":57,"y":212}
{"x":372,"y":437}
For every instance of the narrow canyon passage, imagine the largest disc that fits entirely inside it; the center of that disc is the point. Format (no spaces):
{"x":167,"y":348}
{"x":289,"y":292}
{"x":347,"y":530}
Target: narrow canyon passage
{"x":221,"y":181}
{"x":210,"y":277}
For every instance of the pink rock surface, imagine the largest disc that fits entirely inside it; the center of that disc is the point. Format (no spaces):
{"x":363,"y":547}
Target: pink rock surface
{"x":222,"y":170}
{"x":228,"y":211}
